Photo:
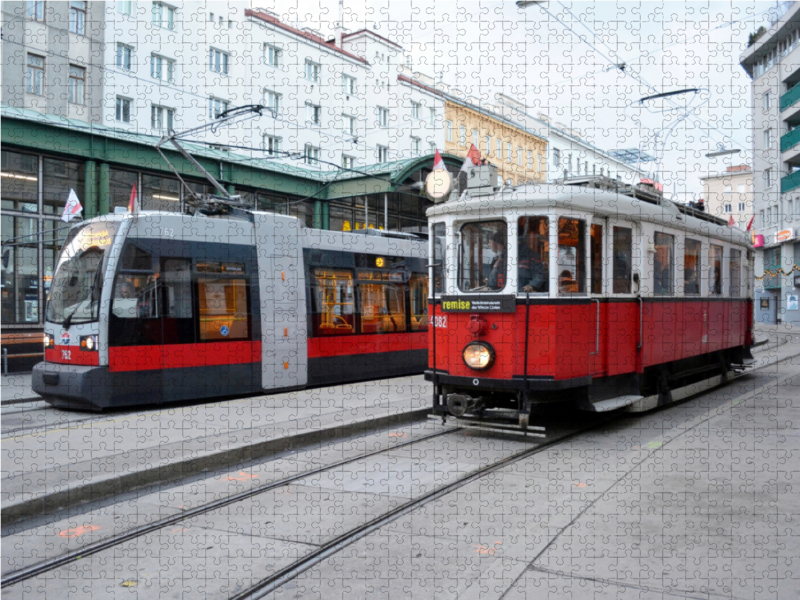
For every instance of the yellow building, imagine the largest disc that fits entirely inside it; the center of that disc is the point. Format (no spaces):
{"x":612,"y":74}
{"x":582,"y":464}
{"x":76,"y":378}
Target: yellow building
{"x":518,"y":154}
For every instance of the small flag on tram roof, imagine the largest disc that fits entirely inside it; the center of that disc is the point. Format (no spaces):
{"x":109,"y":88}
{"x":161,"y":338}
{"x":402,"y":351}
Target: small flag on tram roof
{"x":750,"y":224}
{"x":133,"y":203}
{"x":473,"y":158}
{"x":731,"y":222}
{"x":438,"y":163}
{"x":72,"y":208}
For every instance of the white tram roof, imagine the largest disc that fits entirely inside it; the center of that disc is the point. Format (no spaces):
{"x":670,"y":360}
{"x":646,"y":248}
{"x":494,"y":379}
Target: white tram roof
{"x":525,"y":200}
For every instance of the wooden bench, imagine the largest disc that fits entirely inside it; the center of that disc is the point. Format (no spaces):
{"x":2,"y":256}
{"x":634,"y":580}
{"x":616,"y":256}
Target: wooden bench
{"x":25,"y":349}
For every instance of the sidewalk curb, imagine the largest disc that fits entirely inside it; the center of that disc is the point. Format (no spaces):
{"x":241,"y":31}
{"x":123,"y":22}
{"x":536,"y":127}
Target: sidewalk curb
{"x":167,"y":473}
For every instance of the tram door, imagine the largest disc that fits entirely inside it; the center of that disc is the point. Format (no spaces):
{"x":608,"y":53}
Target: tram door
{"x":599,"y":313}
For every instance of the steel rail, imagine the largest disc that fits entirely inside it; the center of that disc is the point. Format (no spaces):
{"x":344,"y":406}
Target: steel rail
{"x":90,"y":549}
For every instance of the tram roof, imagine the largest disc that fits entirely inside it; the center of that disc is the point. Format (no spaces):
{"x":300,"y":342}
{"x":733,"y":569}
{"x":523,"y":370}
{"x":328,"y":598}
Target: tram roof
{"x":513,"y":202}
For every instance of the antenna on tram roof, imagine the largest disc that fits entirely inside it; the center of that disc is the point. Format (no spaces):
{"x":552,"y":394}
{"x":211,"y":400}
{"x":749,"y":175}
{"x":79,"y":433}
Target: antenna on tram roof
{"x":212,"y":204}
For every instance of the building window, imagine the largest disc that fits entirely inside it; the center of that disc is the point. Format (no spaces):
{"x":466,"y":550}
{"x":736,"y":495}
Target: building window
{"x":124,"y":54}
{"x":728,"y":208}
{"x":35,"y":11}
{"x":125,"y":7}
{"x":218,"y":61}
{"x":415,"y":110}
{"x":768,"y":177}
{"x":487,"y":145}
{"x":741,"y":188}
{"x":741,"y":206}
{"x":313,"y":113}
{"x":509,"y":153}
{"x":475,"y":138}
{"x":123,"y":109}
{"x":789,"y":210}
{"x":312,"y":71}
{"x":347,"y":161}
{"x":691,"y":266}
{"x":272,"y":55}
{"x":663,"y":263}
{"x":216,"y":107}
{"x":383,"y":154}
{"x":272,"y":144}
{"x":499,"y":146}
{"x":77,"y":82}
{"x":311,"y":155}
{"x":77,"y":17}
{"x":161,"y":118}
{"x":35,"y":83}
{"x":272,"y":100}
{"x":767,"y":100}
{"x":163,"y":15}
{"x":767,"y":138}
{"x":162,"y":68}
{"x":432,"y":147}
{"x":519,"y":157}
{"x":556,"y":158}
{"x":349,"y":124}
{"x":383,"y":117}
{"x":462,"y":136}
{"x":348,"y":85}
{"x":415,"y":146}
{"x":761,"y":220}
{"x":448,"y":130}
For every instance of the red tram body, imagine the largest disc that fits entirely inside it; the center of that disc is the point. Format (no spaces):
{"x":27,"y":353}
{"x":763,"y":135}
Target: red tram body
{"x":551,"y":293}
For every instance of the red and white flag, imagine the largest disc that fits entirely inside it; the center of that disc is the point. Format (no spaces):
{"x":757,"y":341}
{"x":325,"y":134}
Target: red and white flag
{"x":72,"y":208}
{"x":438,"y":163}
{"x":731,"y":222}
{"x":473,"y":158}
{"x":133,"y":203}
{"x":750,"y":224}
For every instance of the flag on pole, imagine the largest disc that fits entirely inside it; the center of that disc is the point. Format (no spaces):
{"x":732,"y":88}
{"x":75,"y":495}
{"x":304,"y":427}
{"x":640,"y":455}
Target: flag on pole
{"x":72,"y":208}
{"x":438,"y":163}
{"x":133,"y":203}
{"x":731,"y":222}
{"x":750,"y":224}
{"x":473,"y":158}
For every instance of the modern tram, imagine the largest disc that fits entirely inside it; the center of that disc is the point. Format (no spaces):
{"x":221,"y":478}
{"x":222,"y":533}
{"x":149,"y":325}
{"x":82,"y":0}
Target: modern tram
{"x":153,"y":307}
{"x":600,"y":294}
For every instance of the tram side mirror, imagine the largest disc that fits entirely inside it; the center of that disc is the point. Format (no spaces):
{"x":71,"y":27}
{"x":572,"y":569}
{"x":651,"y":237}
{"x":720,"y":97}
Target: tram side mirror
{"x":636,"y":283}
{"x":6,"y":258}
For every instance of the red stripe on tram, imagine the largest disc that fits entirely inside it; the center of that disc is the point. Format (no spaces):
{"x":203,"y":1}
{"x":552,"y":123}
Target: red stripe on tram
{"x":178,"y":356}
{"x":344,"y":345}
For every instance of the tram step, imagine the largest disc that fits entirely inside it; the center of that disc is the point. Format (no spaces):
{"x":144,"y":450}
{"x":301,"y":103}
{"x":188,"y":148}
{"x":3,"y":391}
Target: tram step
{"x":615,"y":403}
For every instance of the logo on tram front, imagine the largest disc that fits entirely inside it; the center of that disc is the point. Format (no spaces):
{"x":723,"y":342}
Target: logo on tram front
{"x":65,"y":338}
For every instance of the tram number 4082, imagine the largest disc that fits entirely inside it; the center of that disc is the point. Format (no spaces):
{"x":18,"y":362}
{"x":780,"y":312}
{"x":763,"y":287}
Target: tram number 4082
{"x":440,"y":321}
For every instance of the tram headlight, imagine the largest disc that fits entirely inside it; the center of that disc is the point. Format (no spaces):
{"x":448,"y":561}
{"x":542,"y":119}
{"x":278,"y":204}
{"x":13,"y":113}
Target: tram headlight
{"x":478,"y":356}
{"x":49,"y":342}
{"x":89,"y":342}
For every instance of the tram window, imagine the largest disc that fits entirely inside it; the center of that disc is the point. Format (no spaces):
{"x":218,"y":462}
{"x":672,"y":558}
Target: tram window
{"x":533,"y":249}
{"x":596,"y":249}
{"x":136,"y":296}
{"x":439,"y":257}
{"x":382,"y":305}
{"x":334,"y":302}
{"x":663,"y":262}
{"x":735,"y":271}
{"x":482,"y":265}
{"x":176,"y":275}
{"x":691,"y":267}
{"x":622,"y":264}
{"x":223,"y":309}
{"x":715,"y":270}
{"x":134,"y":258}
{"x":571,"y":256}
{"x":418,"y":286}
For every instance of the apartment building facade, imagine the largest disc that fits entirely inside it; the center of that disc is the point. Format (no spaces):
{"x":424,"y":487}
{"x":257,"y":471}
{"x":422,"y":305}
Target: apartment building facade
{"x":773,"y":63}
{"x":730,"y":194}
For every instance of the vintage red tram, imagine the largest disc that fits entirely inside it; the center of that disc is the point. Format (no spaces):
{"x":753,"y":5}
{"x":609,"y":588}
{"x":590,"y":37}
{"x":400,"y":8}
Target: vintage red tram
{"x":549,"y":293}
{"x":162,"y":307}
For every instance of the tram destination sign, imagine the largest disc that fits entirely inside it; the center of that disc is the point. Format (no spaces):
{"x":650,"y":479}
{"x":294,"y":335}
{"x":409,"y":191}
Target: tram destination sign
{"x":479,"y":303}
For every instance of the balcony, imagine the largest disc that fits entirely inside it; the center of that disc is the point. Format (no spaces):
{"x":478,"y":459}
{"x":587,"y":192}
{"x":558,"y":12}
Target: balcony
{"x":790,"y":140}
{"x":790,"y":97}
{"x":790,"y":182}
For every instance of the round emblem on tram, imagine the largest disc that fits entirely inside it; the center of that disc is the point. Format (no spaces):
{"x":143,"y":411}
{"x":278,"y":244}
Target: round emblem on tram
{"x":438,"y":185}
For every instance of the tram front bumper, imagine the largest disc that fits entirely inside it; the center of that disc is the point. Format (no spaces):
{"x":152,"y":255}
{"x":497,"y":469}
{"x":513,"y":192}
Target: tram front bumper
{"x":72,"y":386}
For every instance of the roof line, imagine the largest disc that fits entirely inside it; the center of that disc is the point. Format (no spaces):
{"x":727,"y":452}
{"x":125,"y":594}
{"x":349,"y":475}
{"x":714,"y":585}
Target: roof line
{"x":370,"y":32}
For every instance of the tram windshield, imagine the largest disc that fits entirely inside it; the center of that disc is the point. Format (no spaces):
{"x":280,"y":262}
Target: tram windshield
{"x":482,"y":264}
{"x":75,"y":293}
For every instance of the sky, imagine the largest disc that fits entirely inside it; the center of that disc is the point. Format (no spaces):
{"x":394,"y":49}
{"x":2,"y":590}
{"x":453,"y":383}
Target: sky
{"x":564,"y":58}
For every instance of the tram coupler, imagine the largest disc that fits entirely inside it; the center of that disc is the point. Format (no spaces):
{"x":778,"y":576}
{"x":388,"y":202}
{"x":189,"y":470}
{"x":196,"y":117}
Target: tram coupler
{"x":460,"y":404}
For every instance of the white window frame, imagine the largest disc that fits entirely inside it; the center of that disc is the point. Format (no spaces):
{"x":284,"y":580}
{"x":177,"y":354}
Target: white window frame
{"x":348,"y":162}
{"x":272,"y":56}
{"x":216,"y":106}
{"x":348,"y":85}
{"x":530,"y":160}
{"x":767,"y":138}
{"x":34,"y":75}
{"x":383,"y":117}
{"x":272,"y":144}
{"x":487,"y":140}
{"x":432,"y":115}
{"x":162,"y":68}
{"x":415,"y":141}
{"x":125,"y":7}
{"x":383,"y":153}
{"x":313,"y":114}
{"x":158,"y":13}
{"x":77,"y":17}
{"x":448,"y":128}
{"x":124,"y":51}
{"x":311,"y":155}
{"x":272,"y":100}
{"x":462,"y":135}
{"x":768,"y":177}
{"x":499,"y":148}
{"x":476,"y":135}
{"x":119,"y":109}
{"x":77,"y":85}
{"x":35,"y":10}
{"x":162,"y":118}
{"x":349,"y":124}
{"x":219,"y":61}
{"x":415,"y":109}
{"x":312,"y":70}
